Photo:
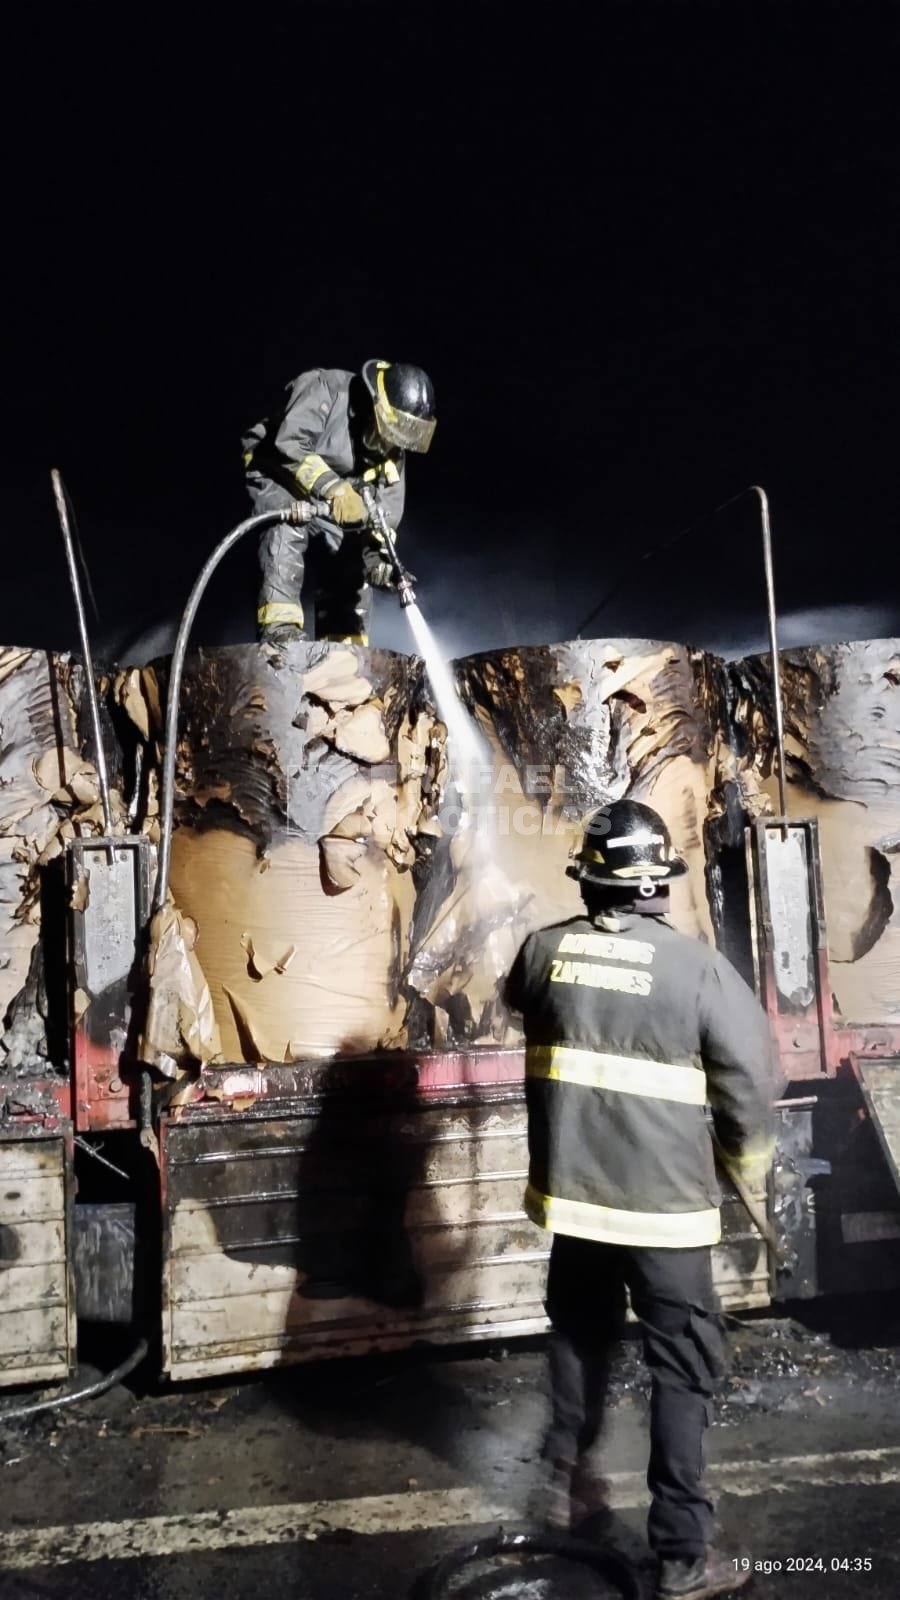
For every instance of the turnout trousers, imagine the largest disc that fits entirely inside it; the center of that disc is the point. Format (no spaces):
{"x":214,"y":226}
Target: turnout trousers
{"x":672,"y":1295}
{"x":343,"y":598}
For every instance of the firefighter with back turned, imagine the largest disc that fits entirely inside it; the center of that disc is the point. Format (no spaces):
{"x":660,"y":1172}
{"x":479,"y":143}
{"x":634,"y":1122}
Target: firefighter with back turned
{"x":643,"y":1047}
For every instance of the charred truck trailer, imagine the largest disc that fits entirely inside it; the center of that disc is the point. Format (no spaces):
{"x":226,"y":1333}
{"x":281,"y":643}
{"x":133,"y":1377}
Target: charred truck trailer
{"x":283,"y":1116}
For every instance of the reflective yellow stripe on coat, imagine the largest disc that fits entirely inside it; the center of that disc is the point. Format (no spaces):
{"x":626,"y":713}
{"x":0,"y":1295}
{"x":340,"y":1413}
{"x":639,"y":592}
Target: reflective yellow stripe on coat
{"x":596,"y":1069}
{"x":683,"y":1230}
{"x":310,"y":470}
{"x":654,"y":1080}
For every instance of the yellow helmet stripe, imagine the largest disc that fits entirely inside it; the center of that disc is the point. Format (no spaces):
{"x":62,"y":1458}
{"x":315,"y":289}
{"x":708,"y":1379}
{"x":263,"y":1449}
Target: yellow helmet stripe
{"x":389,"y":410}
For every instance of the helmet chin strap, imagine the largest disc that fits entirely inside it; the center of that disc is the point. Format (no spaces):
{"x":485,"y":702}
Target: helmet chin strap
{"x":647,"y":888}
{"x":373,"y":443}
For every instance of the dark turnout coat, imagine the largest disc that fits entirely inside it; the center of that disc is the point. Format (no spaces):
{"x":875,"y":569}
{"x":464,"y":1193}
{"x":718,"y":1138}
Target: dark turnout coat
{"x":641,"y":1043}
{"x":309,"y":443}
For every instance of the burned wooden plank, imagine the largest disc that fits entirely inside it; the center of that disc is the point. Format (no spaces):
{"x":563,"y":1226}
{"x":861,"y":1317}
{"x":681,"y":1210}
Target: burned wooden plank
{"x":880,"y":1084}
{"x":37,"y":1314}
{"x":365,"y":1225}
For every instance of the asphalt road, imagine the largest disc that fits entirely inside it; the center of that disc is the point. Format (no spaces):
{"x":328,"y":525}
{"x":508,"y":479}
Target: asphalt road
{"x":349,"y":1480}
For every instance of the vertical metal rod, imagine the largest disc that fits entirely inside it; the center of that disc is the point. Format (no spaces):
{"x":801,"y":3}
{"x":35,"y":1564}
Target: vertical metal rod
{"x":773,"y":643}
{"x":102,"y":776}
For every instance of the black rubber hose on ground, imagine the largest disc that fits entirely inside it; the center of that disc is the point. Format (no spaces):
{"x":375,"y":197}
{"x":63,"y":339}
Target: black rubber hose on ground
{"x":607,"y":1563}
{"x":88,"y":1392}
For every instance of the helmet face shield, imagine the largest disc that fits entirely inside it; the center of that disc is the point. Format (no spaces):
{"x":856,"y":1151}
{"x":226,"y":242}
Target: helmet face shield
{"x":401,"y":429}
{"x":403,"y":404}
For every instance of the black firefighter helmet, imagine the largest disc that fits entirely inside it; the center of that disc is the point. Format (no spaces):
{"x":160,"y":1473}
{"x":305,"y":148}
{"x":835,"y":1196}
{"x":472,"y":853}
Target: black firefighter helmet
{"x":625,"y":844}
{"x":403,"y":399}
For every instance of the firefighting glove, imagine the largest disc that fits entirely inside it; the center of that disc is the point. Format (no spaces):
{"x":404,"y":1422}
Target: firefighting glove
{"x":345,"y":504}
{"x":378,"y":570}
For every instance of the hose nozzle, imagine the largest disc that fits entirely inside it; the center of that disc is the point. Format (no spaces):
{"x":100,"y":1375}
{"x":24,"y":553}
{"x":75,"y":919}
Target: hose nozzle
{"x":300,"y":511}
{"x":379,"y":522}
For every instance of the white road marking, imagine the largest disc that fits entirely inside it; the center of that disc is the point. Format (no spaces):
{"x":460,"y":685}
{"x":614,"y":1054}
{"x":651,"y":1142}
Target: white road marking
{"x":415,"y":1511}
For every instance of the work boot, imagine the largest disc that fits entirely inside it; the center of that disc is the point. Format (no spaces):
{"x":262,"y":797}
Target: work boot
{"x":698,"y":1579}
{"x":567,"y":1497}
{"x":281,"y":633}
{"x":588,"y":1499}
{"x":550,"y":1503}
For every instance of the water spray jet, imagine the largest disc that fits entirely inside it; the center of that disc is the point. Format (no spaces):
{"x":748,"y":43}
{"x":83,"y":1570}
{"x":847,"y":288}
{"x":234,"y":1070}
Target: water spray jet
{"x":465,"y":740}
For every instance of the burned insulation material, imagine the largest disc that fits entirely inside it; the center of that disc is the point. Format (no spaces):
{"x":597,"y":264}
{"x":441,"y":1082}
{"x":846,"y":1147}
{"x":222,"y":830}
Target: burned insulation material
{"x":567,"y":727}
{"x":308,"y":783}
{"x":49,"y":796}
{"x":179,"y":1027}
{"x":334,"y":894}
{"x":842,"y":759}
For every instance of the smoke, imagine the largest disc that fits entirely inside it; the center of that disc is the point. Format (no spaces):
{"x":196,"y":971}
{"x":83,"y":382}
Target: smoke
{"x":466,"y":622}
{"x":469,"y":619}
{"x":523,"y":587}
{"x":135,"y":647}
{"x":487,"y":600}
{"x":816,"y":625}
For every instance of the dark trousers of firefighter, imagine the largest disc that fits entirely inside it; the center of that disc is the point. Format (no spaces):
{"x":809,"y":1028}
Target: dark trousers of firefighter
{"x":343,"y":599}
{"x":672,"y":1294}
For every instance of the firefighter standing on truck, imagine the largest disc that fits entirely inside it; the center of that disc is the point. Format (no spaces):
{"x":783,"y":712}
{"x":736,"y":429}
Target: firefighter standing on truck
{"x":336,"y":433}
{"x":632,"y":1030}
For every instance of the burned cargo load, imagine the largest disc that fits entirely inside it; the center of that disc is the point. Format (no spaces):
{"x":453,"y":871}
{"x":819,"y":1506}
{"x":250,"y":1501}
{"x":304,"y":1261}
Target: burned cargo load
{"x":307,"y":787}
{"x":343,"y":1159}
{"x":826,"y":947}
{"x":393,"y":1180}
{"x":842,"y":749}
{"x":317,"y":823}
{"x":564,"y":728}
{"x":50,"y":805}
{"x":49,"y":799}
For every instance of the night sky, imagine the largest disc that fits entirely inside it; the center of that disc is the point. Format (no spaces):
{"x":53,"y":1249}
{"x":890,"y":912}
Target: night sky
{"x":648,"y":253}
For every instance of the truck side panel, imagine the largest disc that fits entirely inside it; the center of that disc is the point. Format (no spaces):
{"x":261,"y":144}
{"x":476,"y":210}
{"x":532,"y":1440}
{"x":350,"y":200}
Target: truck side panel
{"x":350,"y":1228}
{"x":37,"y":1315}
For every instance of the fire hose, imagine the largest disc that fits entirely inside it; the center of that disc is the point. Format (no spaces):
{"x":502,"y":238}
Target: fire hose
{"x":607,"y":1563}
{"x":88,"y":1391}
{"x":299,"y":511}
